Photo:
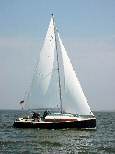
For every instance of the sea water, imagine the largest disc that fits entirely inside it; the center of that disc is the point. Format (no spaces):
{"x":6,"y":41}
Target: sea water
{"x":68,"y":141}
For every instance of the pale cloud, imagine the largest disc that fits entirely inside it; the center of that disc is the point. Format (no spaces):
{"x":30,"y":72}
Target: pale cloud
{"x":92,"y":44}
{"x":18,"y":43}
{"x":88,"y":44}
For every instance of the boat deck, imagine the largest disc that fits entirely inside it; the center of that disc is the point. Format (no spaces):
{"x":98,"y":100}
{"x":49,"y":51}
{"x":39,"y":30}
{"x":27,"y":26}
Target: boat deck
{"x":87,"y":123}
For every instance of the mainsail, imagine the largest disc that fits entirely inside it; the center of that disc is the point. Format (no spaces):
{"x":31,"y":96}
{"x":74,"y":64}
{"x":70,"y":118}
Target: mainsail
{"x":45,"y":65}
{"x":45,"y":91}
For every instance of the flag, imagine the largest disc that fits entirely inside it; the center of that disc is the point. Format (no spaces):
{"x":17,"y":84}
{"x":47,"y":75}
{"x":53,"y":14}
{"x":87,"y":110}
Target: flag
{"x":21,"y":102}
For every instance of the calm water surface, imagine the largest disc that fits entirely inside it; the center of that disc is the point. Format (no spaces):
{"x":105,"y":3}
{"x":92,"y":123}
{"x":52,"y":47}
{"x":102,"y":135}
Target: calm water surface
{"x":69,"y":141}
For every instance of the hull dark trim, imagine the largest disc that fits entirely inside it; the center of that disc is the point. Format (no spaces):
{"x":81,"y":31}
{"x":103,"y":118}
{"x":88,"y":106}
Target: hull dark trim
{"x":90,"y":123}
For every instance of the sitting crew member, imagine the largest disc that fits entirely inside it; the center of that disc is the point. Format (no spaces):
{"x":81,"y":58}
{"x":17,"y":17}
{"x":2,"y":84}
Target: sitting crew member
{"x":45,"y":114}
{"x":36,"y":116}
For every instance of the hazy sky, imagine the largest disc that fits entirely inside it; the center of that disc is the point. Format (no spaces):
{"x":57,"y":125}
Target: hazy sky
{"x":87,"y":28}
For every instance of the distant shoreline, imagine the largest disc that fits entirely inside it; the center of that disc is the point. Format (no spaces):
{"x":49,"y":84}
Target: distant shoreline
{"x":39,"y":109}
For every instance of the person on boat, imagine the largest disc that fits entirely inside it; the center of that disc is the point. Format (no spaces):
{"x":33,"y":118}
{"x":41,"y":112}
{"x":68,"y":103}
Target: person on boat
{"x":36,"y":116}
{"x":45,"y":114}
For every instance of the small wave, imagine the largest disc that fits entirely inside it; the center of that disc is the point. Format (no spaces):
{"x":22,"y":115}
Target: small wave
{"x":48,"y":143}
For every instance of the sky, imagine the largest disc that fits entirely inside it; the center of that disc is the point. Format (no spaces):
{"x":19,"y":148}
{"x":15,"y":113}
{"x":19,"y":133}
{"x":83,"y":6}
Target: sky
{"x":87,"y":28}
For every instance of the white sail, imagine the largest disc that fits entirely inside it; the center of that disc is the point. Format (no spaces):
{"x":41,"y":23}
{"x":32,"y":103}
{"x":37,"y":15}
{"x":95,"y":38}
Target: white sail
{"x":44,"y":92}
{"x":46,"y":59}
{"x":74,"y":100}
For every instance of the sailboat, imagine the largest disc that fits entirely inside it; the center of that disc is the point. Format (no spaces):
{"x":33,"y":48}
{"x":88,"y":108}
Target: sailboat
{"x":56,"y":89}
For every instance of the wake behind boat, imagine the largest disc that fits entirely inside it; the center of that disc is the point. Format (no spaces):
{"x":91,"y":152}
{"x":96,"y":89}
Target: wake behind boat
{"x":55,"y":85}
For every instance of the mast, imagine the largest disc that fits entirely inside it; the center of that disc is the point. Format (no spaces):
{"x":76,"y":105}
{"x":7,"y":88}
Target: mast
{"x":57,"y":57}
